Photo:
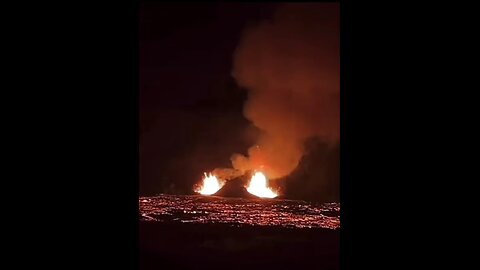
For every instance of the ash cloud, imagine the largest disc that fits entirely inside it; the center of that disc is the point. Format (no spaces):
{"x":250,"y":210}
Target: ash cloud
{"x":290,"y":66}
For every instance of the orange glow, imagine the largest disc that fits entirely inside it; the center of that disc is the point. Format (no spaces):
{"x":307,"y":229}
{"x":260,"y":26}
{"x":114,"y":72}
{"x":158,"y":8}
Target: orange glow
{"x":210,"y":185}
{"x":258,"y":186}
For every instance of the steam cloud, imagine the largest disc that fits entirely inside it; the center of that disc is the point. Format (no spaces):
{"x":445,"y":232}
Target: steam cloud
{"x":290,"y":65}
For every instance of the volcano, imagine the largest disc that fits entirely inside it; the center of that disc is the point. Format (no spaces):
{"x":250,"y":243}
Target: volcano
{"x":236,"y":188}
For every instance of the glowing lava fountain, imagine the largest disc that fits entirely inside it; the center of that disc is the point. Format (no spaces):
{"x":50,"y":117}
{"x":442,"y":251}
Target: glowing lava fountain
{"x":258,"y":186}
{"x":210,"y":185}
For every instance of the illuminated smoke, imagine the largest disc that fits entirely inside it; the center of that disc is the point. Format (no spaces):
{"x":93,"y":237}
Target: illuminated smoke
{"x":290,"y":66}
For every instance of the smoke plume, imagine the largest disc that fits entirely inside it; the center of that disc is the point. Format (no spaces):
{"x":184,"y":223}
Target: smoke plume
{"x":290,"y":66}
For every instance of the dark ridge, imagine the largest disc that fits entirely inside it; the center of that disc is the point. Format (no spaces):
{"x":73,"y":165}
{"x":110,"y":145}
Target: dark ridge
{"x":236,"y":188}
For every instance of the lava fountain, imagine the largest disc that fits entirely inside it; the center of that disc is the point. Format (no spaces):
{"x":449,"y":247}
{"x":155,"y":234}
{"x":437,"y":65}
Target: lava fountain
{"x":258,"y":186}
{"x":210,"y":185}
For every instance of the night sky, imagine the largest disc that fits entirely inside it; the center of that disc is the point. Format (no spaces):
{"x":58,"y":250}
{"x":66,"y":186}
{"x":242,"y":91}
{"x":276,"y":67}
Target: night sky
{"x":191,"y":108}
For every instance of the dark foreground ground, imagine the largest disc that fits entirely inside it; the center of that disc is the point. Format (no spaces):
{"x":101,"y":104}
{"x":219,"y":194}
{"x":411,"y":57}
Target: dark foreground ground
{"x":165,"y":245}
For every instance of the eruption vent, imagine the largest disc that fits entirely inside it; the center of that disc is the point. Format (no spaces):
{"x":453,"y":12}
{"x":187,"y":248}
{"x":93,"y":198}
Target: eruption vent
{"x":258,"y":186}
{"x":290,"y":66}
{"x":209,"y":185}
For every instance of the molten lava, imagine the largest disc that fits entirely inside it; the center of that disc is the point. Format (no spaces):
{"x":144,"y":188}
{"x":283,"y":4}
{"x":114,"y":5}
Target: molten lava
{"x":210,"y":185}
{"x":258,"y":186}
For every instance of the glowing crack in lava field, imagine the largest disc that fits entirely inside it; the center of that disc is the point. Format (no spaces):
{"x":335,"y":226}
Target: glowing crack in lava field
{"x":239,"y":211}
{"x":212,"y":232}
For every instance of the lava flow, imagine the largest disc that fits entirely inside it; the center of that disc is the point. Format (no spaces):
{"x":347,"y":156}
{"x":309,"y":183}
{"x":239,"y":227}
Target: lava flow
{"x":210,"y":185}
{"x":258,"y":186}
